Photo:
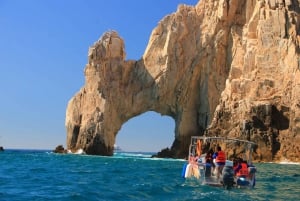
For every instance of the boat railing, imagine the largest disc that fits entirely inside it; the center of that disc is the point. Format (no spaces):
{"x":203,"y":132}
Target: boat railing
{"x":221,"y":139}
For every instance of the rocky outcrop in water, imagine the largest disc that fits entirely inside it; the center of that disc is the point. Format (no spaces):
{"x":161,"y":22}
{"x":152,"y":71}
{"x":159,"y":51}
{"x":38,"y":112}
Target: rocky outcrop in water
{"x":231,"y":66}
{"x":60,"y":150}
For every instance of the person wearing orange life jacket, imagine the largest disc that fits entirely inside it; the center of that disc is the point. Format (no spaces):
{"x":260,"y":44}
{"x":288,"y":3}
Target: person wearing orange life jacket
{"x":241,"y":170}
{"x":220,"y":160}
{"x":220,"y":157}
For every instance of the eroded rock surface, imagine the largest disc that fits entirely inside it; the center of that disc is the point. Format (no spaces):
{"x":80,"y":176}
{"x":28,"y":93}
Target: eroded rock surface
{"x":230,"y":65}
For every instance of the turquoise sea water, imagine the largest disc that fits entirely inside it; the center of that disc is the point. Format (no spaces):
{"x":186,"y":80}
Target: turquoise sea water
{"x":42,"y":175}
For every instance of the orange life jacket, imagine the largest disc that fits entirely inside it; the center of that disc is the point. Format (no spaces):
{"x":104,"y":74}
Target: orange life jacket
{"x":199,"y":148}
{"x":221,"y":158}
{"x":243,"y":171}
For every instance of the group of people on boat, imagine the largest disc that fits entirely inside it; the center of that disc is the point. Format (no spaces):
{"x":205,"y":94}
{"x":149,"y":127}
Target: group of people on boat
{"x":242,"y":171}
{"x":217,"y":160}
{"x":217,"y":168}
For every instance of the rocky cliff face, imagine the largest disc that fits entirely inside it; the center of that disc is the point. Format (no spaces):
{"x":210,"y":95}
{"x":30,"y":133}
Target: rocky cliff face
{"x":230,"y":65}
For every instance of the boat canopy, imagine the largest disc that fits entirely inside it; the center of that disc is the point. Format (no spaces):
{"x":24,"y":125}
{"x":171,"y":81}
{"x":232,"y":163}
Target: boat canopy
{"x":220,"y":139}
{"x":196,"y":140}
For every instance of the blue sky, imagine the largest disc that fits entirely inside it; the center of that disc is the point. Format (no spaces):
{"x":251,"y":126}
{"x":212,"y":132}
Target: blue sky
{"x":43,"y":51}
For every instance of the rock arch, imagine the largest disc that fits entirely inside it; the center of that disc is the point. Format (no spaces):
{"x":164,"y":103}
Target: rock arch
{"x":207,"y":65}
{"x":170,"y":79}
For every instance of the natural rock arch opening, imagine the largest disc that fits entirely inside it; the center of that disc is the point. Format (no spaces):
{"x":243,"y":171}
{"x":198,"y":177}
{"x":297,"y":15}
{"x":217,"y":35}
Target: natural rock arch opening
{"x":147,"y":132}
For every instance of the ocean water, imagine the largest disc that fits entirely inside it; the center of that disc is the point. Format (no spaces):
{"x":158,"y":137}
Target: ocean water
{"x":41,"y":175}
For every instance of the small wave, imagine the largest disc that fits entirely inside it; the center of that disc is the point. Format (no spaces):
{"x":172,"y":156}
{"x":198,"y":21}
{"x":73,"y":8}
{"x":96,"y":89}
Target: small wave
{"x":165,"y":159}
{"x":142,"y":156}
{"x":79,"y":152}
{"x":289,"y":163}
{"x":132,"y":154}
{"x":136,"y":154}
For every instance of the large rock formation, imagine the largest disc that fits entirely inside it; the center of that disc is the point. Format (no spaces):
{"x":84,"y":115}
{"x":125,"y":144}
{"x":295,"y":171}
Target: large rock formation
{"x":231,"y":65}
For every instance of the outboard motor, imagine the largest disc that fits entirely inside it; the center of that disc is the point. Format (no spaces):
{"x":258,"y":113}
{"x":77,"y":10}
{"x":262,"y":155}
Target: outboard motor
{"x":227,"y":178}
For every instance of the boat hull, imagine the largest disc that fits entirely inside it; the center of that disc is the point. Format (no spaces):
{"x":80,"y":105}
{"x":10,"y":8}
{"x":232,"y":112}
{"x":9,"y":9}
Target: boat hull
{"x":227,"y":179}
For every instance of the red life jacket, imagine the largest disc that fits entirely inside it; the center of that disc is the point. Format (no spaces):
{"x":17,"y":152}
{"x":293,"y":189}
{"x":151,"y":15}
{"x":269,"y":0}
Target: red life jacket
{"x":221,"y":158}
{"x":243,"y":171}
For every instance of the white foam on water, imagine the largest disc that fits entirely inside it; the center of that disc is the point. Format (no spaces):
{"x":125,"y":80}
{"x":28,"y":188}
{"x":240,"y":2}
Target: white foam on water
{"x":289,"y":163}
{"x":142,"y":156}
{"x":132,"y":154}
{"x":79,"y":151}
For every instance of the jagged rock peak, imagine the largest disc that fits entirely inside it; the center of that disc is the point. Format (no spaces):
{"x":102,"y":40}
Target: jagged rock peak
{"x":109,"y":46}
